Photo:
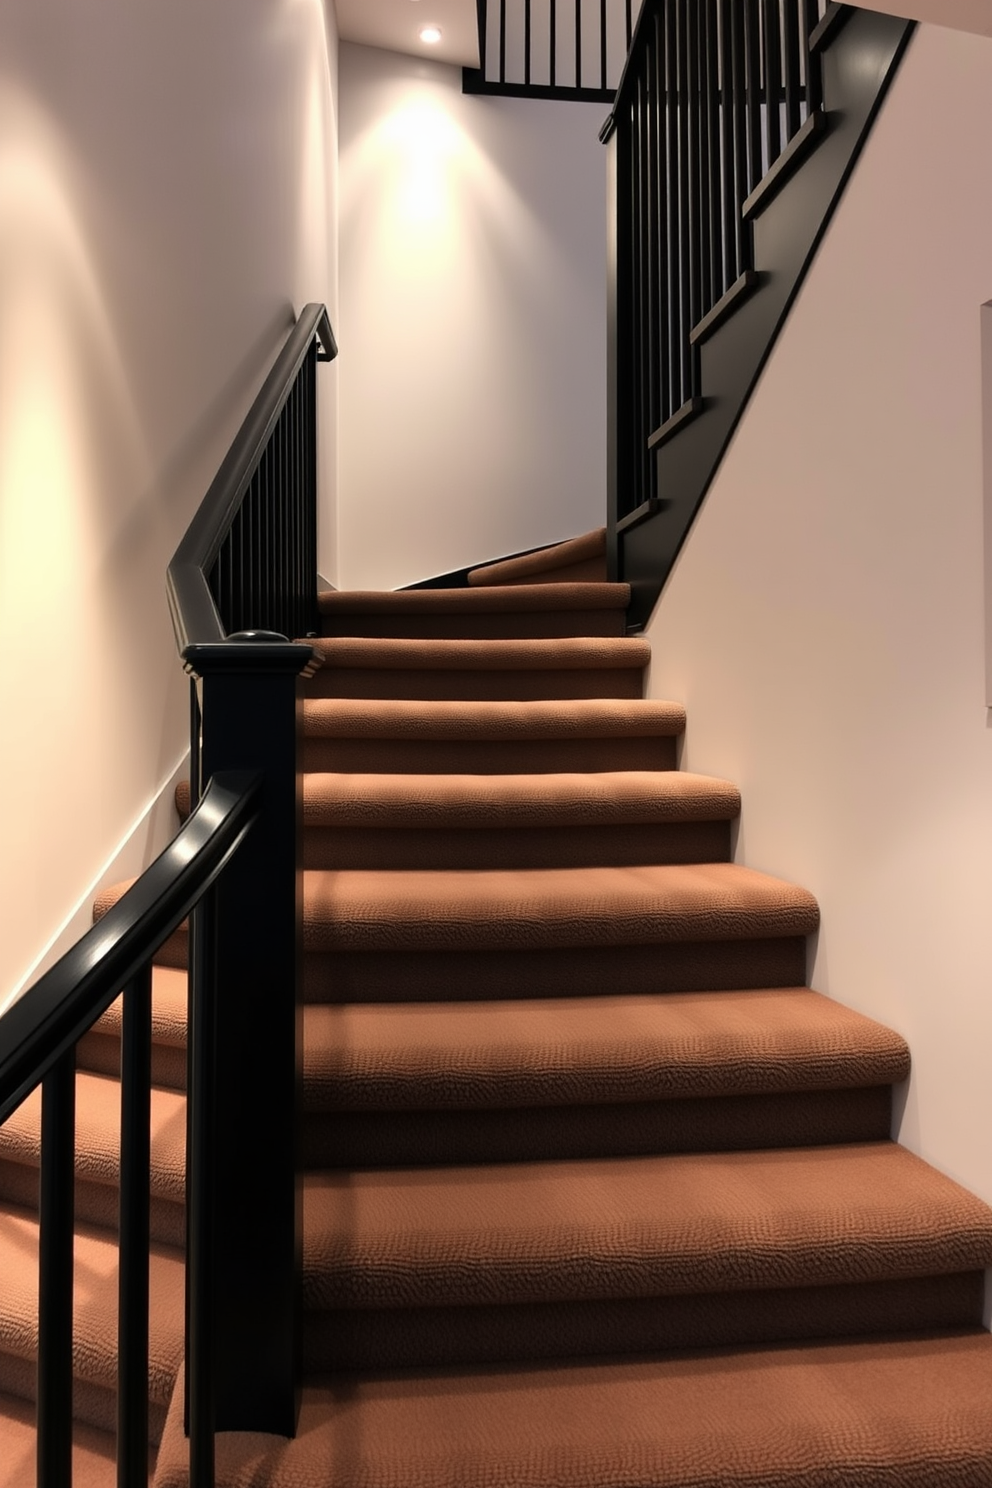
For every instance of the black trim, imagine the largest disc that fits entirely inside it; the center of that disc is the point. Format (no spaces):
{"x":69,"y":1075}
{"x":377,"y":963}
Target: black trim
{"x":474,"y":84}
{"x":834,"y":17}
{"x":649,"y":508}
{"x":690,"y":410}
{"x":796,"y":151}
{"x":743,"y":286}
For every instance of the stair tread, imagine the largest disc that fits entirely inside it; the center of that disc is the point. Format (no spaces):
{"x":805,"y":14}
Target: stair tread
{"x":459,"y":1056}
{"x":94,"y":1454}
{"x":98,"y":1106}
{"x":544,"y":907}
{"x":401,"y":718}
{"x":607,"y":798}
{"x":94,"y":1303}
{"x":634,"y":1227}
{"x":565,"y":653}
{"x":909,"y":1411}
{"x":487,"y":600}
{"x":169,"y":999}
{"x":589,"y":546}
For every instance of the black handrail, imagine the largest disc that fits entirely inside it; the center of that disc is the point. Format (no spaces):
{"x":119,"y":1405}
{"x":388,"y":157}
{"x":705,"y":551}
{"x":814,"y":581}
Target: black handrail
{"x":195,"y":614}
{"x":38,"y":1037}
{"x":66,"y":1001}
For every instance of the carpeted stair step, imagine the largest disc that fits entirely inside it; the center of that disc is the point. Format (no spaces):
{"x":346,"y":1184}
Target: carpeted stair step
{"x":395,"y":736}
{"x":529,"y":611}
{"x":100,"y":1049}
{"x":573,"y":667}
{"x":389,"y":1085}
{"x":884,"y":1412}
{"x":515,"y":821}
{"x":98,"y":1108}
{"x":580,"y":559}
{"x":95,"y":1320}
{"x":545,"y":1240}
{"x":541,"y":909}
{"x":429,"y":936}
{"x":600,"y":940}
{"x":94,"y":1453}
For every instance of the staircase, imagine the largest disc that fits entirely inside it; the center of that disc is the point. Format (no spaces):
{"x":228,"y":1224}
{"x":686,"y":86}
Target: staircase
{"x":597,"y":1190}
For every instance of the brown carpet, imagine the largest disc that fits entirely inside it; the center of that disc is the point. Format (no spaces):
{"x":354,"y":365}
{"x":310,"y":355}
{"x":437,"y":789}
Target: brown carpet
{"x":598,"y":1193}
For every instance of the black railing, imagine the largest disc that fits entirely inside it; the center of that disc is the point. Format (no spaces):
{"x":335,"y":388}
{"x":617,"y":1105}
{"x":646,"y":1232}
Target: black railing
{"x":719,"y":99}
{"x":242,"y":584}
{"x":38,"y":1037}
{"x":568,"y":49}
{"x":249,"y":557}
{"x":735,"y":128}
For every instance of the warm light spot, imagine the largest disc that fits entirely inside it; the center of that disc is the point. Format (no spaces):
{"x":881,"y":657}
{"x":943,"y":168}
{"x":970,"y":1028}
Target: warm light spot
{"x":430,"y":34}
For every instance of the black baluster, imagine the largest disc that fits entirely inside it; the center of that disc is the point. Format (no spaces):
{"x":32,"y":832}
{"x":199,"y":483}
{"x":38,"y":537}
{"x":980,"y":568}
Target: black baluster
{"x":685,"y":208}
{"x":660,"y":328}
{"x":578,"y":43}
{"x":132,"y":1316}
{"x":630,"y":29}
{"x":55,"y":1279}
{"x":502,"y":41}
{"x":773,"y":80}
{"x":809,"y":16}
{"x":200,"y":1159}
{"x":790,"y":46}
{"x":553,"y":43}
{"x":527,"y":42}
{"x":737,"y":174}
{"x":602,"y":44}
{"x":755,"y":134}
{"x":672,"y":199}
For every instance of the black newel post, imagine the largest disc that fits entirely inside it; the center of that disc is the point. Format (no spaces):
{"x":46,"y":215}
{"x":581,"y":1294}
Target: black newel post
{"x":244,"y":1188}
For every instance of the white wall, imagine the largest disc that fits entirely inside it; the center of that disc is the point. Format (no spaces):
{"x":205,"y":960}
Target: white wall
{"x":166,"y":195}
{"x":473,"y":321}
{"x":824,"y":624}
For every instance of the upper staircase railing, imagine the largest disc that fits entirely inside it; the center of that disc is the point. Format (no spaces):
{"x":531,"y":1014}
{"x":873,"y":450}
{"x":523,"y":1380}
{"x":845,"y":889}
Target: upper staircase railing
{"x":721,"y":104}
{"x":567,"y":49}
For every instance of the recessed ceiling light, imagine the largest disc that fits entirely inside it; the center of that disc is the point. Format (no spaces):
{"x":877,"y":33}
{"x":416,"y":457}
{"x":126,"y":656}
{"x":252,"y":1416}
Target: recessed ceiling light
{"x":430,"y":34}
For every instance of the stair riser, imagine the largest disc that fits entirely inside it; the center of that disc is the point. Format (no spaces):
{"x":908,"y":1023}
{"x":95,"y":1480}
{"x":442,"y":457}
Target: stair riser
{"x":438,"y":976}
{"x":538,"y":625}
{"x":478,"y":686}
{"x":95,"y":1204}
{"x":101,"y":1053}
{"x":586,"y":571}
{"x":438,"y":1337}
{"x":578,"y":847}
{"x":485,"y":757}
{"x":91,"y":1404}
{"x":728,"y":1124}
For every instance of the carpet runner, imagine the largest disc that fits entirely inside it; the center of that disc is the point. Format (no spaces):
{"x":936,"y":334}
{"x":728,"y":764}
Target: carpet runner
{"x":598,"y":1191}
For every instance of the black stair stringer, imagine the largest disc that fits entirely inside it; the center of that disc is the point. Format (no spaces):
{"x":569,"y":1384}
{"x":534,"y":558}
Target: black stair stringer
{"x":858,"y":66}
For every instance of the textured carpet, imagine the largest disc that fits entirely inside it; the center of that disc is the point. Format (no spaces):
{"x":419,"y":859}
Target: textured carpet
{"x":598,"y":1193}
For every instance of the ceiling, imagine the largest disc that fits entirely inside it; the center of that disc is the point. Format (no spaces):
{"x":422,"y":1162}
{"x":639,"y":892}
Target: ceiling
{"x":395,"y":24}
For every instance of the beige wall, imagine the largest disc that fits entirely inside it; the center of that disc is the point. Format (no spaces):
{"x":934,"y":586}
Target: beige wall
{"x":473,"y":321}
{"x":166,"y":195}
{"x":824,"y":624}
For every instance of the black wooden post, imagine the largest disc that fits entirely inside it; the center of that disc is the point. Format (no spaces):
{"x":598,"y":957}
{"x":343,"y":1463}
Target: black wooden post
{"x":249,"y":696}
